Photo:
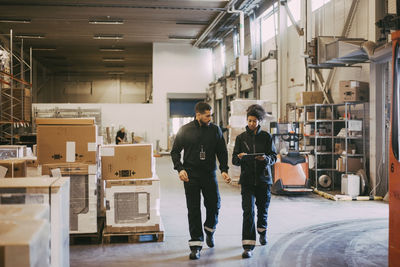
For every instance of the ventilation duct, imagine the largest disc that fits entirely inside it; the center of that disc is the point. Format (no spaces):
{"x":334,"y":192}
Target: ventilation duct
{"x":329,"y":52}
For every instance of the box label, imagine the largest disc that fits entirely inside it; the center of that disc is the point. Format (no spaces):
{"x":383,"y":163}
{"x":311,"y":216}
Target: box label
{"x":92,"y":147}
{"x":107,"y":152}
{"x":70,"y":149}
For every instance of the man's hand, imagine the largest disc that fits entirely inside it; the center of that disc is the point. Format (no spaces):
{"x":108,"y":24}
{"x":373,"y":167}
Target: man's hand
{"x":183,"y":176}
{"x":261,"y":158}
{"x":226,"y":177}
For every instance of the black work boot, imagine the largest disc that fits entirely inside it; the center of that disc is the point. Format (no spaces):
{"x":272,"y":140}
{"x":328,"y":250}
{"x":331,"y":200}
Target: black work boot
{"x":210,"y":240}
{"x":247,"y":254}
{"x":195,"y":254}
{"x":263,"y":239}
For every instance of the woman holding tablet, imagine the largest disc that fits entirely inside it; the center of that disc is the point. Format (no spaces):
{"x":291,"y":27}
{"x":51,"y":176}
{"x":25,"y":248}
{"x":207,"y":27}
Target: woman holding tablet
{"x":255,"y":153}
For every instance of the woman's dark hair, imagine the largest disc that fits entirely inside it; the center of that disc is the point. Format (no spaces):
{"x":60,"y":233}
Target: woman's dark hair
{"x":201,"y":107}
{"x":256,"y":111}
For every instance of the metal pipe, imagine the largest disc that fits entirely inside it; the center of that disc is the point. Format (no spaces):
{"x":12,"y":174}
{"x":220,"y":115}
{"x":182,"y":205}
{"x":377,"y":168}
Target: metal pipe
{"x":11,"y":89}
{"x":213,"y":24}
{"x":241,"y":28}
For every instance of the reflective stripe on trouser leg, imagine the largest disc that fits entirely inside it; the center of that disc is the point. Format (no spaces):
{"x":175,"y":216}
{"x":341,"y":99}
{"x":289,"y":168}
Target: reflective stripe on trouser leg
{"x":208,"y":229}
{"x":212,"y":202}
{"x":192,"y":191}
{"x":196,"y":244}
{"x":261,"y":230}
{"x":249,"y":242}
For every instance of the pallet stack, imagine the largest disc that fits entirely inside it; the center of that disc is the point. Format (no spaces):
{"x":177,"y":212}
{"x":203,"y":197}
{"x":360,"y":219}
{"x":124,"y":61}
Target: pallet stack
{"x":131,"y":193}
{"x":68,"y":147}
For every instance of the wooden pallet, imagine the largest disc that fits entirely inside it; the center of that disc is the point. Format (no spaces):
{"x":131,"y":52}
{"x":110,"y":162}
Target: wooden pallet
{"x":88,"y":238}
{"x":137,"y":236}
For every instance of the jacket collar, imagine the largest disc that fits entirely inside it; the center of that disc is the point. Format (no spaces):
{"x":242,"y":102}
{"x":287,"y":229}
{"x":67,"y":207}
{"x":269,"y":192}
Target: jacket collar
{"x":196,"y":122}
{"x":252,"y":132}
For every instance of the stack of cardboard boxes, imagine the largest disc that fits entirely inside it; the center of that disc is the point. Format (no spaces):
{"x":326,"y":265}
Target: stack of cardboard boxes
{"x":131,"y":188}
{"x":354,"y":91}
{"x":13,"y":159}
{"x":70,"y":145}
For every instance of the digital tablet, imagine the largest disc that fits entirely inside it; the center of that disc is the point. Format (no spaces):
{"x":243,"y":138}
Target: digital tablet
{"x":253,"y":155}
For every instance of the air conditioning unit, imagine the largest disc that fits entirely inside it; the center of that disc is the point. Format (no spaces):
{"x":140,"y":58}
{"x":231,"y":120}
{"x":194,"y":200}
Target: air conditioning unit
{"x":83,"y":194}
{"x":132,"y":203}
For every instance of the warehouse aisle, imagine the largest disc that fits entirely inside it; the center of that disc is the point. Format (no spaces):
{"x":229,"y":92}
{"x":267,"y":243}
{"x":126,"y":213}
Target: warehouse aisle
{"x":303,"y":231}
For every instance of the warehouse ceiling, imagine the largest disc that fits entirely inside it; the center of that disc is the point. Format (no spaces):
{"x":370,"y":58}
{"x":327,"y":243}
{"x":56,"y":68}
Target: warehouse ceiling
{"x":103,"y":37}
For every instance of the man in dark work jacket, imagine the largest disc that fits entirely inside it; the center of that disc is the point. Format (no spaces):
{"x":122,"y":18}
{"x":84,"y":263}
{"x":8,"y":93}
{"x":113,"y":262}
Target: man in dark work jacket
{"x":201,"y":140}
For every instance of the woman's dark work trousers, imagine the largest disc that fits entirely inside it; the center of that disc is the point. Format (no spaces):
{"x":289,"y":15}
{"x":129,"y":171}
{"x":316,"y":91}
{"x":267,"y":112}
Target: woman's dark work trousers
{"x":261,"y":196}
{"x":207,"y":185}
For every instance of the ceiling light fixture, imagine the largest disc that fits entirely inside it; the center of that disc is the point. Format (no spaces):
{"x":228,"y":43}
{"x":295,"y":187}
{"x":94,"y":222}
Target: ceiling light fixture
{"x":180,"y":38}
{"x":30,"y":36}
{"x":192,"y":22}
{"x":112,"y":49}
{"x":108,"y":37}
{"x":116,"y":72}
{"x":44,"y":48}
{"x":107,"y":22}
{"x":5,"y":20}
{"x":113,"y":59}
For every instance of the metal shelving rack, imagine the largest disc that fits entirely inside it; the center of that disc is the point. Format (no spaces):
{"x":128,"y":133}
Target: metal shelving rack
{"x":331,"y":139}
{"x":15,"y":92}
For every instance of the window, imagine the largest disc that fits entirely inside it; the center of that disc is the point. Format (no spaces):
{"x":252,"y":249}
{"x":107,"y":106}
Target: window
{"x":315,"y":4}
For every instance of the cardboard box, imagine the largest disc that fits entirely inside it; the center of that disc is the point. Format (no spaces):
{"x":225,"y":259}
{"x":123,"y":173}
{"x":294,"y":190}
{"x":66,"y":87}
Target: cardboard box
{"x":39,"y":190}
{"x":353,"y":91}
{"x":66,"y":143}
{"x":24,"y":243}
{"x":25,"y":212}
{"x":15,"y":167}
{"x":354,"y":164}
{"x":127,"y":161}
{"x":132,"y":204}
{"x":309,"y":98}
{"x":65,"y":121}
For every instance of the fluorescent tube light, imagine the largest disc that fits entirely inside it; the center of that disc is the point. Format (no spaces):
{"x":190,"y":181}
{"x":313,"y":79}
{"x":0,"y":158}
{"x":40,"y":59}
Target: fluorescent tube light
{"x":108,"y":36}
{"x":113,"y":59}
{"x":44,"y":48}
{"x":116,"y":72}
{"x":112,"y":49}
{"x":30,"y":36}
{"x":180,"y":38}
{"x":107,"y":22}
{"x":192,"y":22}
{"x":5,"y":20}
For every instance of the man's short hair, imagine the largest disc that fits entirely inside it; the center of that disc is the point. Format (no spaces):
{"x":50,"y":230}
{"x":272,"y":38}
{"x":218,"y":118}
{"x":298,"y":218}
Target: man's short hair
{"x":256,"y":111}
{"x":201,"y":107}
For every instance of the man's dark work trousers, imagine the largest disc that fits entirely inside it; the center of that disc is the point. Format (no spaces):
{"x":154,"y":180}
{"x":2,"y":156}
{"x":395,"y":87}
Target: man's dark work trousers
{"x":206,"y":184}
{"x":261,"y":195}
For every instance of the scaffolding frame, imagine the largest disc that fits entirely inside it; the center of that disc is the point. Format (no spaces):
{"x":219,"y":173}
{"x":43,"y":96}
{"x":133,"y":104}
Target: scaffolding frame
{"x":15,"y":92}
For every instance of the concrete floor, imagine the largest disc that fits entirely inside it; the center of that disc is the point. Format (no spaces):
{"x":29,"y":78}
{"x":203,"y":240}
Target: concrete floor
{"x":303,"y":231}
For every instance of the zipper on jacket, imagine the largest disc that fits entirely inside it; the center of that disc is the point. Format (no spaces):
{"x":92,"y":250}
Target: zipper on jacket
{"x":255,"y":160}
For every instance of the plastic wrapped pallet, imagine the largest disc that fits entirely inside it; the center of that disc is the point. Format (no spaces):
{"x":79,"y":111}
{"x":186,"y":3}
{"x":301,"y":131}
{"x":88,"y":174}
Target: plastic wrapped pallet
{"x":38,"y":190}
{"x":133,"y":204}
{"x":83,"y":197}
{"x":24,"y":243}
{"x":12,"y":151}
{"x":239,"y":106}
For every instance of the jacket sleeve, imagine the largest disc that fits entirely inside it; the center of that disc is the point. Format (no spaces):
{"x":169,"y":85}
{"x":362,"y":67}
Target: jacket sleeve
{"x":271,"y":151}
{"x":222,"y":153}
{"x":176,"y":151}
{"x":236,"y":151}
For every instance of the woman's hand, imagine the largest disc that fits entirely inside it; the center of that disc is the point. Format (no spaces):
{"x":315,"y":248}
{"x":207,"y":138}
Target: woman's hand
{"x":240,"y":156}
